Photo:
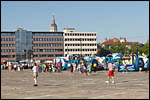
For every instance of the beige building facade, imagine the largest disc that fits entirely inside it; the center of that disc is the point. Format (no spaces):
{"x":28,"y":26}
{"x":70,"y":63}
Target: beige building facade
{"x":79,"y":43}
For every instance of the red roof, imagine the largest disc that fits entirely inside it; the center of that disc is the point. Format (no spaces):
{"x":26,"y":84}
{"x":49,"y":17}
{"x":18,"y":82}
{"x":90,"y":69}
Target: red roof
{"x":128,"y":43}
{"x":109,"y":42}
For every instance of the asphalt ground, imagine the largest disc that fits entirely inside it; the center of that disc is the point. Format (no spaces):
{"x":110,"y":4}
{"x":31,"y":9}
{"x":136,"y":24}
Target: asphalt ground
{"x":67,"y":85}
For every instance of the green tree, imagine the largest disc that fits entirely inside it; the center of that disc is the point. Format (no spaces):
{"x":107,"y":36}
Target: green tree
{"x":118,"y":48}
{"x":135,"y":48}
{"x":103,"y":52}
{"x":145,"y":48}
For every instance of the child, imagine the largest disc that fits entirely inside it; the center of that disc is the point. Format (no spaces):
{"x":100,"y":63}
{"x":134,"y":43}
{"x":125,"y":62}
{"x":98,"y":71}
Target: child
{"x":84,"y":70}
{"x":89,"y":67}
{"x":80,"y":68}
{"x":126,"y":69}
{"x":111,"y":72}
{"x":95,"y":67}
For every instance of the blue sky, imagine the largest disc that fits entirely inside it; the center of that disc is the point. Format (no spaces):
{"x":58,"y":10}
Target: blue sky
{"x":110,"y":19}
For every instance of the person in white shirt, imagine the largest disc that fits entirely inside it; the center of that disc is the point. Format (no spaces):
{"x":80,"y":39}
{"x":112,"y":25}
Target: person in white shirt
{"x":15,"y":67}
{"x":35,"y":74}
{"x":111,"y":72}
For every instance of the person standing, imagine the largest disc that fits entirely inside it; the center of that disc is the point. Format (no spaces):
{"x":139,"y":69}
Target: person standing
{"x":71,"y":66}
{"x":15,"y":67}
{"x":95,"y":67}
{"x":38,"y":66}
{"x":35,"y":74}
{"x":19,"y":66}
{"x":10,"y":66}
{"x":145,"y":66}
{"x":85,"y":69}
{"x":110,"y":73}
{"x":43,"y":67}
{"x":140,"y":66}
{"x":50,"y":67}
{"x":89,"y":67}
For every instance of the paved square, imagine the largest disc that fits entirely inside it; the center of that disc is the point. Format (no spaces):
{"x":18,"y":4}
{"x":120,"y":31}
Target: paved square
{"x":19,"y":85}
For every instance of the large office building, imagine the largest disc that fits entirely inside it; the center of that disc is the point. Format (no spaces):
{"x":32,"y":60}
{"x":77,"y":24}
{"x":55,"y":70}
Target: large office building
{"x":47,"y":45}
{"x":8,"y":46}
{"x":79,"y":43}
{"x":22,"y":44}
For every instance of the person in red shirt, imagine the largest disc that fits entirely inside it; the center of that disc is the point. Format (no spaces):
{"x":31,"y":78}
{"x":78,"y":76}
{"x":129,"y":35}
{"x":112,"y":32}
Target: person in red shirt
{"x":111,"y":72}
{"x":38,"y":66}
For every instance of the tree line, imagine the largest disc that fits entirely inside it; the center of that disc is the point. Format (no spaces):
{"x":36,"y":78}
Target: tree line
{"x":118,"y":47}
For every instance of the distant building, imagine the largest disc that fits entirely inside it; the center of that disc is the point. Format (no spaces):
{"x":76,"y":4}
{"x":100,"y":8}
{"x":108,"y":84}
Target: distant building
{"x":23,"y":44}
{"x":123,"y":39}
{"x":69,"y":30}
{"x":108,"y":42}
{"x":79,"y":43}
{"x":8,"y":46}
{"x":47,"y":45}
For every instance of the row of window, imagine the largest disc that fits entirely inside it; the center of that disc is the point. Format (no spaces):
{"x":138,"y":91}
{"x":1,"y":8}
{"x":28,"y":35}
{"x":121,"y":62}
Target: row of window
{"x":71,"y":39}
{"x":47,"y":39}
{"x":46,"y":55}
{"x":7,"y":56}
{"x":8,"y":39}
{"x":80,"y":49}
{"x":48,"y":50}
{"x":54,"y":34}
{"x":80,"y":45}
{"x":8,"y":45}
{"x":80,"y":34}
{"x":79,"y":54}
{"x":48,"y":45}
{"x":7,"y":34}
{"x":47,"y":34}
{"x":8,"y":50}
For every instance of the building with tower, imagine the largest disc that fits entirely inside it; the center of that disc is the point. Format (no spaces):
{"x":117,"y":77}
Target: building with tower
{"x":53,"y":27}
{"x":38,"y":45}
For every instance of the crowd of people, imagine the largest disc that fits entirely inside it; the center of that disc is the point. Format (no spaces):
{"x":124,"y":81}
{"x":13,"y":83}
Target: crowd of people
{"x":80,"y":66}
{"x":11,"y":66}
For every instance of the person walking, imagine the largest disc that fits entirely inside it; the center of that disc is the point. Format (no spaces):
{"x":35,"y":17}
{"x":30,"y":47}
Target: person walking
{"x":35,"y":74}
{"x":110,"y":73}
